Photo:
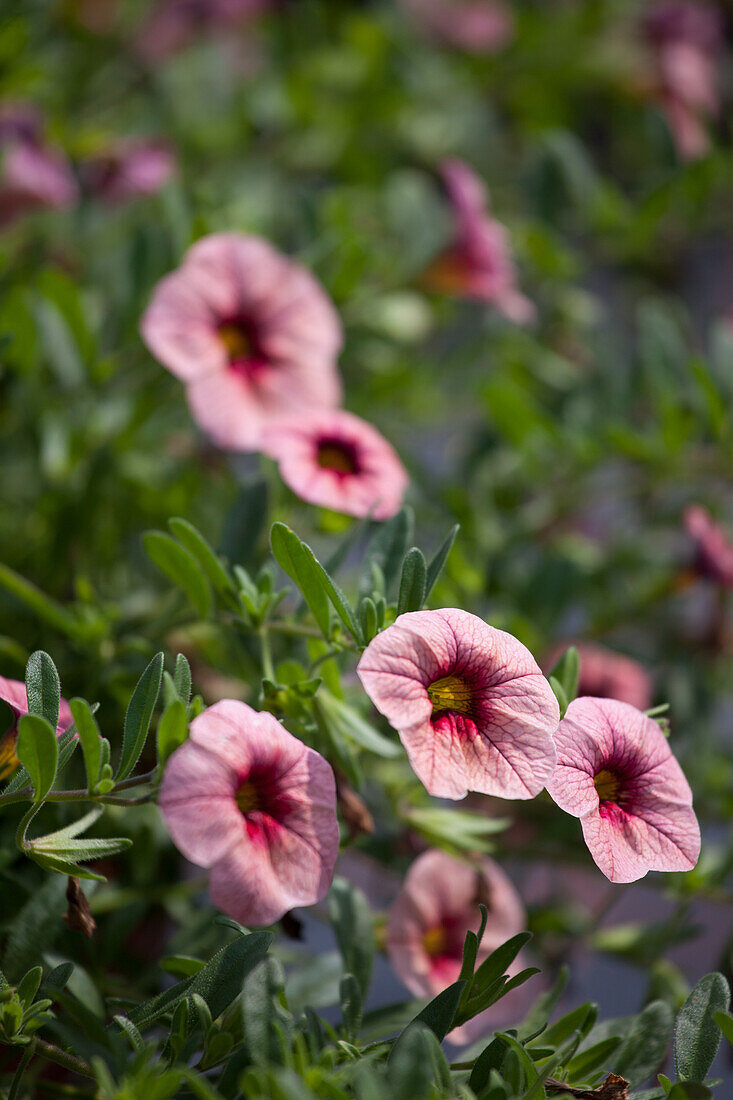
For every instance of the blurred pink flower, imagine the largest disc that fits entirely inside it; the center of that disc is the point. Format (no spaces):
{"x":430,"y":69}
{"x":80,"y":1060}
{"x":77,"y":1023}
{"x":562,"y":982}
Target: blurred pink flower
{"x":685,"y":39}
{"x":32,"y":174}
{"x":248,"y":800}
{"x":476,"y":26}
{"x":616,"y":772}
{"x":339,"y":461}
{"x":428,"y":921}
{"x":608,"y":674}
{"x":129,"y":170}
{"x":13,"y":692}
{"x":175,"y":24}
{"x":252,"y":334}
{"x":713,"y":548}
{"x":469,"y":702}
{"x":478,"y":264}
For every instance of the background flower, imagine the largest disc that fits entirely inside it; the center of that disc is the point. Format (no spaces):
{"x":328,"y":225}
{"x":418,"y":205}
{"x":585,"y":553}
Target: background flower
{"x":608,"y":674}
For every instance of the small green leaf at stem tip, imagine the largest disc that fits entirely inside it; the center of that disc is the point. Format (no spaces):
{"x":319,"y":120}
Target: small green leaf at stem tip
{"x":299,"y":562}
{"x":90,"y":737}
{"x":139,"y":714}
{"x":566,"y":672}
{"x":181,"y":567}
{"x":196,"y":544}
{"x":412,"y":582}
{"x":38,"y":750}
{"x":172,"y":731}
{"x":43,"y":687}
{"x":697,"y":1033}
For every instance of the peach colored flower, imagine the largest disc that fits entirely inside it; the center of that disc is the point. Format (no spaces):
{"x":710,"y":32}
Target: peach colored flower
{"x":713,"y":548}
{"x":246,"y":799}
{"x":335,"y":459}
{"x":130,"y":169}
{"x":437,"y":905}
{"x":251,"y":333}
{"x":33,"y":175}
{"x":469,"y":702}
{"x":476,"y":26}
{"x":608,"y":674}
{"x":13,"y":692}
{"x":478,"y":264}
{"x":616,"y":772}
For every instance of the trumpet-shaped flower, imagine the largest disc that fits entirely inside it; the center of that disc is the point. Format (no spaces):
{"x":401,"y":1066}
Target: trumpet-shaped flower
{"x":713,"y":548}
{"x":246,"y":799}
{"x":469,"y":702}
{"x":13,"y":693}
{"x":608,"y":674}
{"x":251,"y":333}
{"x":616,"y":772}
{"x":478,"y":264}
{"x":339,"y":461}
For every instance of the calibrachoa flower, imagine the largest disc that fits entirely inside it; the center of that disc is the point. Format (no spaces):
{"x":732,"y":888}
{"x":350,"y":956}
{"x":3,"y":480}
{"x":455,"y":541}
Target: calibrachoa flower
{"x":608,"y":674}
{"x":437,"y":905}
{"x":686,"y":38}
{"x":713,"y":548}
{"x":616,"y":772}
{"x":478,"y":264}
{"x":13,"y":692}
{"x":246,"y":799}
{"x":174,"y":24}
{"x":469,"y":702}
{"x":129,"y":170}
{"x":32,"y":174}
{"x":477,"y":26}
{"x":251,"y":333}
{"x":337,"y":460}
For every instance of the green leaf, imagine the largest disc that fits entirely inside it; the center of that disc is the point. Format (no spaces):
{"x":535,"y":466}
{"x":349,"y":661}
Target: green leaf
{"x":583,"y":1017}
{"x":34,"y":928}
{"x":351,"y":724}
{"x":262,"y":1012}
{"x":645,"y":1046}
{"x":139,"y":714}
{"x":595,"y":1058}
{"x":299,"y":562}
{"x":566,"y":671}
{"x":689,"y":1090}
{"x":340,"y":603}
{"x":387,"y":550}
{"x":28,"y":986}
{"x":352,"y":1005}
{"x":90,"y":737}
{"x":244,"y":523}
{"x":539,"y":1014}
{"x":455,"y":830}
{"x":172,"y":731}
{"x":412,"y":582}
{"x":437,"y":564}
{"x":409,"y":1066}
{"x":440,"y":1013}
{"x":43,"y":687}
{"x":180,"y":566}
{"x":697,"y":1034}
{"x":182,"y":679}
{"x":351,"y":918}
{"x":38,"y":750}
{"x":197,"y":545}
{"x":559,"y":692}
{"x":489,"y":1059}
{"x":725,"y":1022}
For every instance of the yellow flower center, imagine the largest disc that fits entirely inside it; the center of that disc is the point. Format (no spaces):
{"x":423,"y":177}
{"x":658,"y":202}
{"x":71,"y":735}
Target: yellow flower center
{"x":337,"y":456}
{"x":236,"y":342}
{"x":450,"y":693}
{"x":434,"y":941}
{"x":246,"y":798}
{"x":607,"y":785}
{"x":8,"y":760}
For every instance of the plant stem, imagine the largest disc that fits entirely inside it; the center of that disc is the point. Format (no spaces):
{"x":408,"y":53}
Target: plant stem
{"x":268,"y":669}
{"x":69,"y":1061}
{"x":83,"y":795}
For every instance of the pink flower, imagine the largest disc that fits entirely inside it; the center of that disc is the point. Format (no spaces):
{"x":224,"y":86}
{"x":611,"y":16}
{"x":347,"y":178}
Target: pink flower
{"x":251,"y":333}
{"x":337,"y":460}
{"x":713,"y":548}
{"x":32,"y":174}
{"x":478,"y":264}
{"x":175,"y":24}
{"x":476,"y":26}
{"x":131,"y":169}
{"x":437,"y":905}
{"x":685,"y":38}
{"x":616,"y":772}
{"x":469,"y":702}
{"x":248,"y":800}
{"x":608,"y":674}
{"x":13,"y":692}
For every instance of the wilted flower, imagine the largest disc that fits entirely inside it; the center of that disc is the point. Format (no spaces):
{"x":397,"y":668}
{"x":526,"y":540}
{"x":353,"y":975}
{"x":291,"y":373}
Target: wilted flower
{"x":32,"y":174}
{"x":476,"y":26}
{"x":437,"y":905}
{"x":616,"y":772}
{"x":685,"y":39}
{"x":469,"y":702}
{"x":13,"y":692}
{"x":129,"y":170}
{"x":248,"y":800}
{"x":713,"y":548}
{"x":478,"y":264}
{"x":339,"y":461}
{"x":608,"y":675}
{"x":251,"y":333}
{"x":175,"y":24}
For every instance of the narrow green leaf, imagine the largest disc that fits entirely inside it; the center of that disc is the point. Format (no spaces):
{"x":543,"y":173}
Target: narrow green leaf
{"x":90,"y":737}
{"x":352,"y":1005}
{"x":139,"y":714}
{"x":697,"y":1034}
{"x":182,"y":679}
{"x":689,"y":1090}
{"x":409,"y":1068}
{"x":566,"y":671}
{"x":340,"y":603}
{"x":725,"y":1022}
{"x":595,"y":1058}
{"x":38,"y":750}
{"x":197,"y":545}
{"x":412,"y":582}
{"x":437,"y":564}
{"x":180,"y":566}
{"x":172,"y":731}
{"x":299,"y":562}
{"x":351,"y":918}
{"x":645,"y":1046}
{"x":43,"y":687}
{"x":440,"y":1013}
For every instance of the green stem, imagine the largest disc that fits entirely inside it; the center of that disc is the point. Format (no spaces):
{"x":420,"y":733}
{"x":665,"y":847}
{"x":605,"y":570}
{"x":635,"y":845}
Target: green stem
{"x":23,"y":824}
{"x":69,"y":1061}
{"x":30,"y":1050}
{"x":268,"y":668}
{"x":84,"y":796}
